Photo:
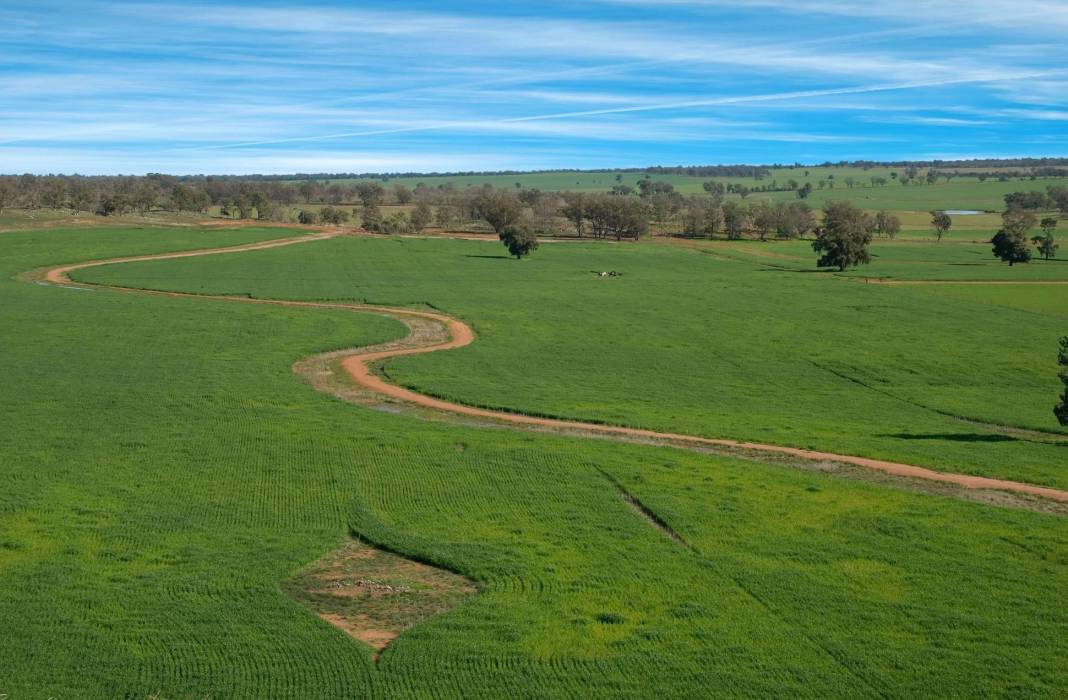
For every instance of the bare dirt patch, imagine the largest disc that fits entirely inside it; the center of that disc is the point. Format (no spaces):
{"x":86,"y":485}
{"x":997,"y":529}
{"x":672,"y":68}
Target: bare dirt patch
{"x":373,"y":595}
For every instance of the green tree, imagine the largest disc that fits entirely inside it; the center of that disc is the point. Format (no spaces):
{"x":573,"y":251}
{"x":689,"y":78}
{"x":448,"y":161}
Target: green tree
{"x":735,"y":219}
{"x":941,"y":222}
{"x":843,"y":240}
{"x":798,"y":220}
{"x":371,"y":216}
{"x":499,"y":208}
{"x":887,"y":224}
{"x":370,"y":193}
{"x":1061,"y":409}
{"x":618,"y":217}
{"x":332,"y":215}
{"x":8,"y":192}
{"x":1045,"y":243}
{"x":1058,"y":196}
{"x":574,"y":210}
{"x":519,"y":239}
{"x":1010,"y":243}
{"x":421,"y":216}
{"x":714,"y":188}
{"x":804,"y":191}
{"x":764,"y":218}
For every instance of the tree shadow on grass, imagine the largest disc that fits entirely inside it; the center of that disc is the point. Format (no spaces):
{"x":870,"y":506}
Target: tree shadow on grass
{"x":490,"y":257}
{"x":955,"y":437}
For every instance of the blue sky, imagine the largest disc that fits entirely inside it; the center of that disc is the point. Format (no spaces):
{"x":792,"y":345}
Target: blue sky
{"x":245,"y":87}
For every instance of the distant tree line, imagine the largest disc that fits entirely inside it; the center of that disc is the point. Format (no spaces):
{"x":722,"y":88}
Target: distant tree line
{"x":1055,"y":197}
{"x":1041,"y":167}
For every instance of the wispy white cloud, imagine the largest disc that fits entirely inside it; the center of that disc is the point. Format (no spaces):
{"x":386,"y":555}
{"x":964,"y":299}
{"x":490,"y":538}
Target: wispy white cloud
{"x":687,"y":104}
{"x":544,"y":83}
{"x":1038,"y":15}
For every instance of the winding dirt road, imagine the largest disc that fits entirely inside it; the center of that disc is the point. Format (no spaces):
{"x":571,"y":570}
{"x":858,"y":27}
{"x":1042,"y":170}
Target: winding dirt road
{"x":452,"y":333}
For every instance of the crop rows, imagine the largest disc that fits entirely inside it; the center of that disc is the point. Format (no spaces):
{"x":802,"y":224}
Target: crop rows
{"x":169,"y":472}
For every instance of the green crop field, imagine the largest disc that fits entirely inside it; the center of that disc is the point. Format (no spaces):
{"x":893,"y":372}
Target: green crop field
{"x":165,"y":473}
{"x":842,"y":360}
{"x":901,"y":260}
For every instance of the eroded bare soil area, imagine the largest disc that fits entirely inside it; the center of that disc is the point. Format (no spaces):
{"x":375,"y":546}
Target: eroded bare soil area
{"x":373,"y":595}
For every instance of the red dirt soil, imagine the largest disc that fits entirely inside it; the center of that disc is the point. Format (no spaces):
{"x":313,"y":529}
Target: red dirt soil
{"x":358,"y":366}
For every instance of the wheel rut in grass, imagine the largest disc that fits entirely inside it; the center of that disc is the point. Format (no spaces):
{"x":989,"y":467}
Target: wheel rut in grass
{"x":435,"y":331}
{"x":647,"y":514}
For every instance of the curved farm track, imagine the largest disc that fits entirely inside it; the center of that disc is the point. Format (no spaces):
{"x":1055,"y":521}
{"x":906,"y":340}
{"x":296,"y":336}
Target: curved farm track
{"x":431,"y":332}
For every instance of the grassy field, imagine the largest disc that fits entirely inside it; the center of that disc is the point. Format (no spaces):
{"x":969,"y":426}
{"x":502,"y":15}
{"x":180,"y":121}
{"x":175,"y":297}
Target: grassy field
{"x":950,"y":259}
{"x":807,"y":360}
{"x":165,"y":473}
{"x":960,"y":193}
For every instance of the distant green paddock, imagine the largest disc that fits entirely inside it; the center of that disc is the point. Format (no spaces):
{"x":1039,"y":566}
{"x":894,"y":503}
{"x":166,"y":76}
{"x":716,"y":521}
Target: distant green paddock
{"x":963,"y":192}
{"x":900,"y":259}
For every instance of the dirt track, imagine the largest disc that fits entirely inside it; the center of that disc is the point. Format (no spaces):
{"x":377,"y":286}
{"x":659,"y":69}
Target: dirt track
{"x":358,"y":364}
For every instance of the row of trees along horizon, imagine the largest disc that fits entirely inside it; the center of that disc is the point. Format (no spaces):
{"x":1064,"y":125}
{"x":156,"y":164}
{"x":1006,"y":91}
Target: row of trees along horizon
{"x":623,"y":212}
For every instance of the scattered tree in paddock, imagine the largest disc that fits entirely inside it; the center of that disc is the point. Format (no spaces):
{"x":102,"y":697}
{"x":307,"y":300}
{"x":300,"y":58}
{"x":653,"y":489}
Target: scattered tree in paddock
{"x":1061,"y":409}
{"x":530,"y":197}
{"x":402,"y":194}
{"x":1046,"y":244}
{"x":371,"y":216}
{"x":499,"y":208}
{"x":574,"y":210}
{"x":941,"y":222}
{"x":1026,"y":200}
{"x":793,"y":219}
{"x":447,"y":215}
{"x":804,"y":191}
{"x":421,"y":216}
{"x":308,"y":191}
{"x":370,"y":193}
{"x":1058,"y":197}
{"x":715,"y":188}
{"x":332,"y":215}
{"x":735,"y":219}
{"x":616,"y":217}
{"x":308,"y":217}
{"x":887,"y":224}
{"x":8,"y":192}
{"x":764,"y":218}
{"x":843,"y":239}
{"x":1010,"y":243}
{"x":519,"y":239}
{"x":700,"y":216}
{"x":396,"y":222}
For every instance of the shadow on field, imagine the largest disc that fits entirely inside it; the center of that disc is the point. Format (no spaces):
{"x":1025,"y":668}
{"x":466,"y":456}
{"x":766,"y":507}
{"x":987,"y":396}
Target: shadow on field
{"x":955,"y":437}
{"x":489,"y":257}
